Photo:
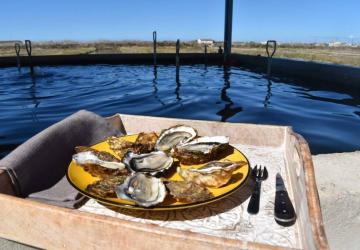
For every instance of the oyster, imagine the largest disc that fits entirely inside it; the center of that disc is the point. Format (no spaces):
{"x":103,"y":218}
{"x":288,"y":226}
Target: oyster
{"x":201,"y":150}
{"x":144,"y":190}
{"x":98,"y":163}
{"x":145,"y":143}
{"x":105,"y":188}
{"x":174,"y":135}
{"x":119,"y":146}
{"x":188,"y":191}
{"x":147,"y":138}
{"x":214,"y":174}
{"x":101,"y":158}
{"x":152,"y":163}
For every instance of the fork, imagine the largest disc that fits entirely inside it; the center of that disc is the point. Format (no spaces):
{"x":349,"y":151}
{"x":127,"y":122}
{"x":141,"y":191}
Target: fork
{"x":260,"y":174}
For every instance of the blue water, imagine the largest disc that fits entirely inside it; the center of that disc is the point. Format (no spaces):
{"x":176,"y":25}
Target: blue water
{"x":328,"y":119}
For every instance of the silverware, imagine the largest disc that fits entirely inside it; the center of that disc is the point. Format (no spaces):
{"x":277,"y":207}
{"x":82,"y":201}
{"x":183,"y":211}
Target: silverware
{"x":284,"y":211}
{"x":260,"y":174}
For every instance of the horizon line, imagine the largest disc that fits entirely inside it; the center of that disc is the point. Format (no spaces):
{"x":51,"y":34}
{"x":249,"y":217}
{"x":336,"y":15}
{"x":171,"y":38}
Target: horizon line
{"x":170,"y":40}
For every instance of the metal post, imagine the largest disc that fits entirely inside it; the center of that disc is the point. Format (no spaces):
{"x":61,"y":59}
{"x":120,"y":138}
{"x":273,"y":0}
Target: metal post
{"x":205,"y":54}
{"x":17,"y":51}
{"x":177,"y":63}
{"x":154,"y":43}
{"x":228,"y":30}
{"x":177,"y":58}
{"x":28,"y":49}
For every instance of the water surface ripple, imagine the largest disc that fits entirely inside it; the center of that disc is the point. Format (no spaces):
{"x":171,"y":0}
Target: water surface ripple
{"x":328,"y":119}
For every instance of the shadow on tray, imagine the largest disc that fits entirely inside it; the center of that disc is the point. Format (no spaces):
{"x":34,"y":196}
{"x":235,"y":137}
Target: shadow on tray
{"x":217,"y":207}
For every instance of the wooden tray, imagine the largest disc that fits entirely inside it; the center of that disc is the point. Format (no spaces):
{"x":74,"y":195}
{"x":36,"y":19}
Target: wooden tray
{"x":47,"y":226}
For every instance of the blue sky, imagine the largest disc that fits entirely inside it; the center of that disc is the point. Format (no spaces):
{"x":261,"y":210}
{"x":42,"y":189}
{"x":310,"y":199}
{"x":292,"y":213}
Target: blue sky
{"x":283,"y":20}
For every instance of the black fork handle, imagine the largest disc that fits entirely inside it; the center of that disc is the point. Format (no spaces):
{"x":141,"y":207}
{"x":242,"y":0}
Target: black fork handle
{"x":254,"y":203}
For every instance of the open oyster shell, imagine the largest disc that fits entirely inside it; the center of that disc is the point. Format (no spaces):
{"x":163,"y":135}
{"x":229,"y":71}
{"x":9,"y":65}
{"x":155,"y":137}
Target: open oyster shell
{"x":119,"y":146}
{"x":145,"y":143}
{"x":214,"y":174}
{"x":174,"y":135}
{"x":100,"y":158}
{"x":188,"y":191}
{"x":98,"y":163}
{"x":144,"y":190}
{"x":105,"y":188}
{"x":147,"y":138}
{"x":201,"y":150}
{"x":152,"y":163}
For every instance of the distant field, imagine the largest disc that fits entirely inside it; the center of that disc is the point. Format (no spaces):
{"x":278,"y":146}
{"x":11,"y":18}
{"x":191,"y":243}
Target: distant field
{"x":340,"y":55}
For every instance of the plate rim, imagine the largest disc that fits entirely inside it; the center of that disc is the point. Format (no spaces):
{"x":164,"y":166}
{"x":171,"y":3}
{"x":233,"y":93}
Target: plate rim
{"x":161,"y":208}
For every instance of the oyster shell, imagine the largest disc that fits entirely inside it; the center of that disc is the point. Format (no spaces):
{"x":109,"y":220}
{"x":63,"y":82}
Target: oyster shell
{"x":152,"y":163}
{"x":174,"y":135}
{"x":144,"y":190}
{"x":99,"y":163}
{"x":147,"y":138}
{"x":101,"y":158}
{"x":201,"y":150}
{"x":119,"y":146}
{"x":145,"y":143}
{"x":214,"y":174}
{"x":188,"y":191}
{"x":105,"y":188}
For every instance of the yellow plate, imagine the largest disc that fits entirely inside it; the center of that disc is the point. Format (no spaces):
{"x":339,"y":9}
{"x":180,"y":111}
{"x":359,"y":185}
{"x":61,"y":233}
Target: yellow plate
{"x":80,"y":179}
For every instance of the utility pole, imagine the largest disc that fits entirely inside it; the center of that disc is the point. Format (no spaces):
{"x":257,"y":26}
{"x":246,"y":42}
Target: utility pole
{"x":228,"y":30}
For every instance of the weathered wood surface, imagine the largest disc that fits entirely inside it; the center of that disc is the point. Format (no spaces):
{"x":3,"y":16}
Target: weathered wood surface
{"x":239,"y":133}
{"x":53,"y":227}
{"x":312,"y":195}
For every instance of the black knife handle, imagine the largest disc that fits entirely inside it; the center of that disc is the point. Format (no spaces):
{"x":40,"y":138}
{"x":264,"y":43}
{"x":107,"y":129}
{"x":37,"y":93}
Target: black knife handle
{"x":254,"y":203}
{"x":284,"y":211}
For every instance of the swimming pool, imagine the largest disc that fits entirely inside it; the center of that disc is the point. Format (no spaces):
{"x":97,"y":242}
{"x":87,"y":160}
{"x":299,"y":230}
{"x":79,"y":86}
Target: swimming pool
{"x":328,"y":119}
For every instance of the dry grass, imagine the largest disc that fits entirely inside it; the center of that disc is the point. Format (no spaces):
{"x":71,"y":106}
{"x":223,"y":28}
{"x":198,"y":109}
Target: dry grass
{"x":349,"y":56}
{"x":323,"y":53}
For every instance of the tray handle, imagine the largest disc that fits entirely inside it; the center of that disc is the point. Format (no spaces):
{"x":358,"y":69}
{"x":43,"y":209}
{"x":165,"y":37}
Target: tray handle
{"x":317,"y":224}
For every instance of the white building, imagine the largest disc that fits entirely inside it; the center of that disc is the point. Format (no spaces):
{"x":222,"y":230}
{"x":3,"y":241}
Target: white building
{"x":336,"y":44}
{"x":205,"y":41}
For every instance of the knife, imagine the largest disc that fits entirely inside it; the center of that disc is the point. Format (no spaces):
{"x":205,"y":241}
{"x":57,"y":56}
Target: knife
{"x":284,"y":211}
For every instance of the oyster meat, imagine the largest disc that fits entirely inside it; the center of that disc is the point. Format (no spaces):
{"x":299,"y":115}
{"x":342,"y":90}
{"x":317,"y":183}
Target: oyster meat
{"x":174,"y":135}
{"x":145,"y":143}
{"x":201,"y":150}
{"x":214,"y":174}
{"x":152,"y":163}
{"x":188,"y":191}
{"x":144,"y":190}
{"x":98,"y":163}
{"x":105,"y":188}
